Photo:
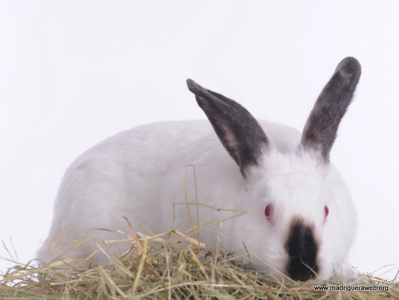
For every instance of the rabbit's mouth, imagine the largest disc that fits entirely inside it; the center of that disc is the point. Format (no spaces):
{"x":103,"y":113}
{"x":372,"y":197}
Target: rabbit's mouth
{"x":302,"y":251}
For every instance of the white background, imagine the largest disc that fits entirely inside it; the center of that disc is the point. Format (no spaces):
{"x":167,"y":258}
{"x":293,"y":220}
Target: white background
{"x":75,"y":72}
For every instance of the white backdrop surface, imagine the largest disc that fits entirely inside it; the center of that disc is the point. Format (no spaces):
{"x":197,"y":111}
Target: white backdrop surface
{"x":75,"y":72}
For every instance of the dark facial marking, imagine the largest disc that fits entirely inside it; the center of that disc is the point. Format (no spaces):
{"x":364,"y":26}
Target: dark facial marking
{"x":302,"y":250}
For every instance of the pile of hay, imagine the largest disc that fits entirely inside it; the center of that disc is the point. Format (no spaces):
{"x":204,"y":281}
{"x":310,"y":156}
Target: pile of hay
{"x":155,"y":268}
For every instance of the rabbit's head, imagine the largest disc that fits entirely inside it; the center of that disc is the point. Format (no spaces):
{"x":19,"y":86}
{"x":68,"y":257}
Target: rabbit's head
{"x":300,"y":221}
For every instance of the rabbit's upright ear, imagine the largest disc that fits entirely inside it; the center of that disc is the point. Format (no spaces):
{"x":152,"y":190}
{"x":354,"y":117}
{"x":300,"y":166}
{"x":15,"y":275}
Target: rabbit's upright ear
{"x":236,"y":128}
{"x":322,"y":125}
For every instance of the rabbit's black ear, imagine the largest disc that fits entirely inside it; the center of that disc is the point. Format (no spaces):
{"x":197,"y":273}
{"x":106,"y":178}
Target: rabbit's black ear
{"x":236,"y":128}
{"x":322,"y":125}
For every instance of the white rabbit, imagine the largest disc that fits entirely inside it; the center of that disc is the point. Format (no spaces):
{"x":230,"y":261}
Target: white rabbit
{"x":300,"y":217}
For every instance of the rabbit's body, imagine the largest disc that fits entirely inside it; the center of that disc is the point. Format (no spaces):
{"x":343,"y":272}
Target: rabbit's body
{"x":99,"y":187}
{"x":140,"y":173}
{"x":139,"y":166}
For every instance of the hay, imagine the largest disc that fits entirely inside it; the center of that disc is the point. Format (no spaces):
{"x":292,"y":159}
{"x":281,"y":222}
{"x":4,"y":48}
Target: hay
{"x":173,"y":265}
{"x":164,"y":270}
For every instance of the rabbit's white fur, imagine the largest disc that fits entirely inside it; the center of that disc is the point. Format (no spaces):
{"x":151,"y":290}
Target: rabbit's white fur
{"x":115,"y":179}
{"x":141,"y":172}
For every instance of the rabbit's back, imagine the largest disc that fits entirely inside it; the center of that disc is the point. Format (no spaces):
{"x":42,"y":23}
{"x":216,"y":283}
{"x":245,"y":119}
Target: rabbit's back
{"x":120,"y":176}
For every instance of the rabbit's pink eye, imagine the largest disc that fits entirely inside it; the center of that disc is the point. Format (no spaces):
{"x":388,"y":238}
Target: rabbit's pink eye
{"x":326,"y":211}
{"x":268,"y":211}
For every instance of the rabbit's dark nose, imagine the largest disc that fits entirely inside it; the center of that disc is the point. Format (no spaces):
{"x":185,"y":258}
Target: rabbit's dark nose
{"x":302,"y":250}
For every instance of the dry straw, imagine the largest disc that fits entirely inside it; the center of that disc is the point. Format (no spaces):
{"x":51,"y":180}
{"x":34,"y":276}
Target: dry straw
{"x":172,"y":265}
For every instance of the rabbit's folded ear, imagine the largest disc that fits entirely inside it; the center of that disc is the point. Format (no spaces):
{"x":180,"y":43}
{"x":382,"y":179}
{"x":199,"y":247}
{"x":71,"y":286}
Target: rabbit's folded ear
{"x":239,"y":132}
{"x":321,"y":127}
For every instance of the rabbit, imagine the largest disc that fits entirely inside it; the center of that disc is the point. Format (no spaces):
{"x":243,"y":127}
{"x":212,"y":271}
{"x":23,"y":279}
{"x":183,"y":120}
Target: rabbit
{"x":300,"y":220}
